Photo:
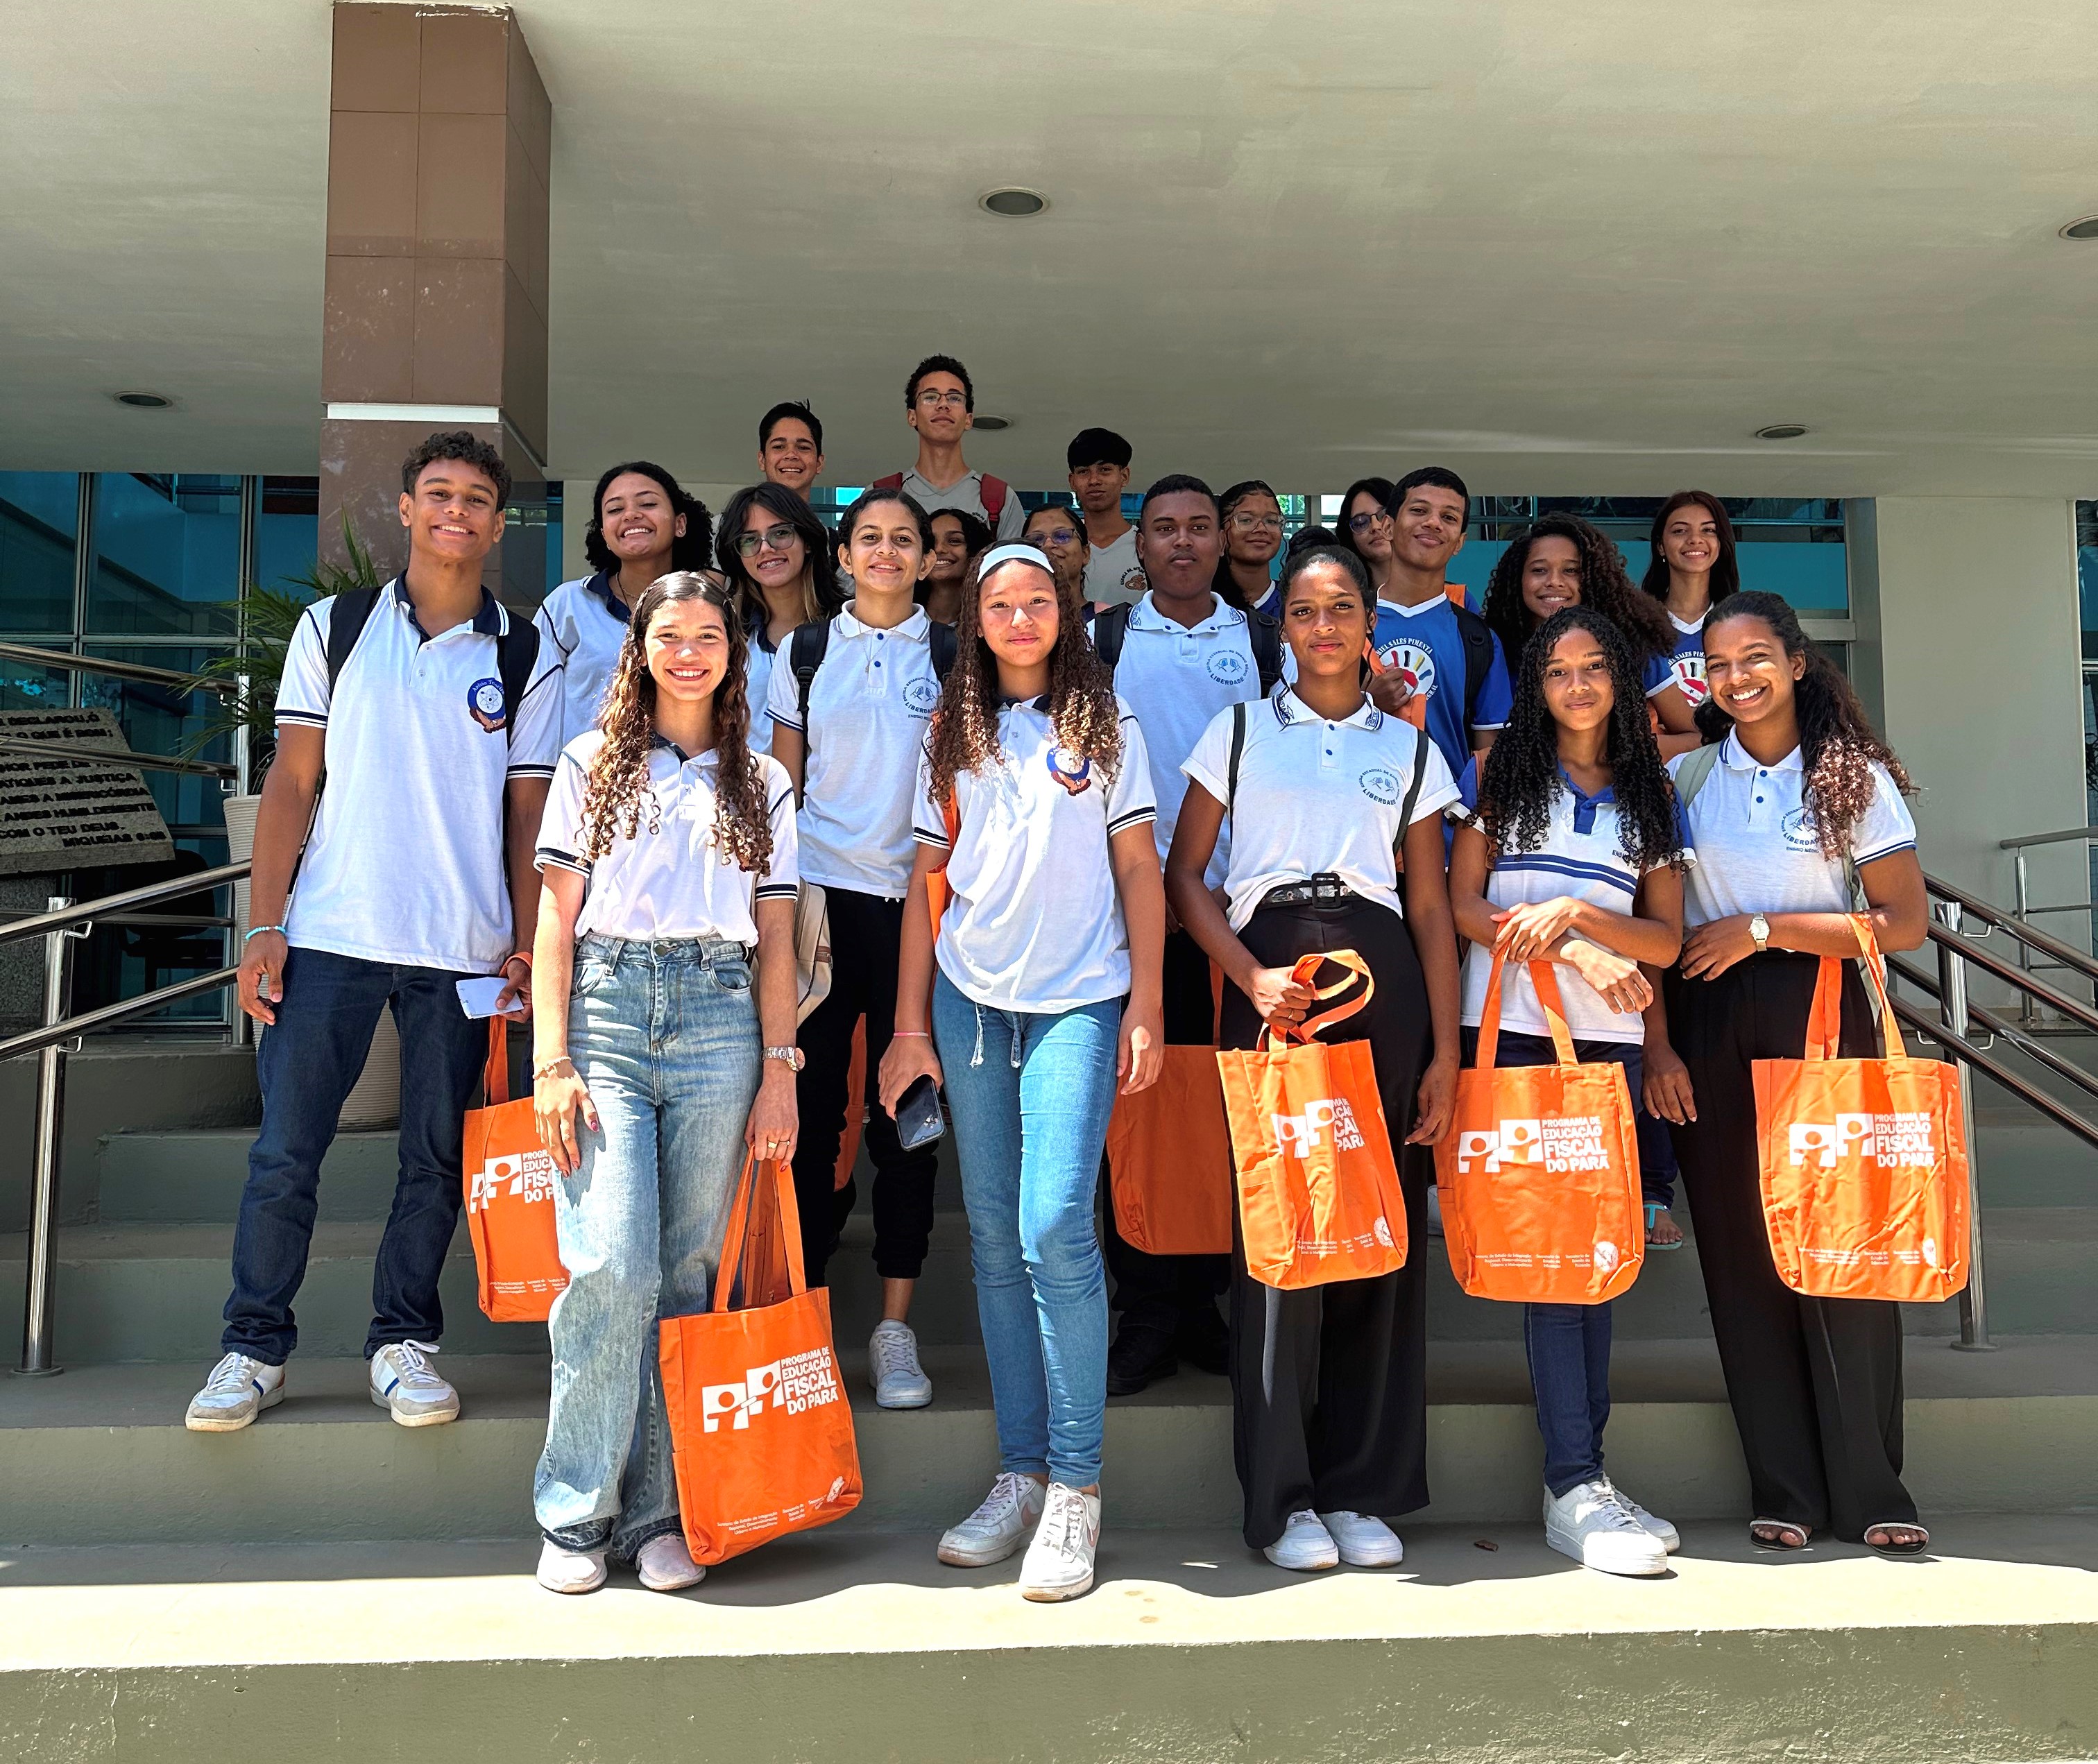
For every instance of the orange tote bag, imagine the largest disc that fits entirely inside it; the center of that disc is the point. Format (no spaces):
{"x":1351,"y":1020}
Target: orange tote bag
{"x":1864,"y":1162}
{"x":1539,"y":1172}
{"x":1319,"y":1192}
{"x":1169,"y":1155}
{"x":510,"y":1179}
{"x":761,"y":1433}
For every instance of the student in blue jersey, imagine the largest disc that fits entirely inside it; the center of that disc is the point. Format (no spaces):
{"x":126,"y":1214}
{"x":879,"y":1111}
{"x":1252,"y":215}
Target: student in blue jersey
{"x":1180,"y":657}
{"x":1039,"y":998}
{"x":1442,"y":670}
{"x":1796,"y":810}
{"x":642,"y":525}
{"x":851,"y":699}
{"x":1693,"y":569}
{"x":1572,"y":851}
{"x":1252,"y":516}
{"x":776,"y":553}
{"x":662,"y":1053}
{"x":1329,"y":1383}
{"x":434,"y":715}
{"x":1562,"y":560}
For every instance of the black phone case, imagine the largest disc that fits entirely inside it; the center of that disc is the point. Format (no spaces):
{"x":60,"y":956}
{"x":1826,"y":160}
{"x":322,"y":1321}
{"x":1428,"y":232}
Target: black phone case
{"x":918,"y":1118}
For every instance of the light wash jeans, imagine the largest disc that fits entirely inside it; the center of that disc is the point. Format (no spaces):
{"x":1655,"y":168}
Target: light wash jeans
{"x":666,"y":1037}
{"x":1031,"y":1096}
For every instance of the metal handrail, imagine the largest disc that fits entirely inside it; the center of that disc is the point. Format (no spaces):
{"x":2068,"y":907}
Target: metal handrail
{"x":41,"y":924}
{"x":116,"y":670}
{"x":104,"y":1016}
{"x":1996,"y":1025}
{"x":151,"y":762}
{"x":2063,"y":837}
{"x":2023,"y":1089}
{"x":2011,"y":974}
{"x":2013,"y":927}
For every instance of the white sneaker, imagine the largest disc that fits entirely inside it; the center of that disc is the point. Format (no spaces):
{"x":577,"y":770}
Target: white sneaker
{"x":892,"y":1366}
{"x":1434,"y":1211}
{"x":239,"y":1388}
{"x":1059,"y":1560}
{"x":1305,"y":1545}
{"x":1590,"y":1523}
{"x":997,"y":1528}
{"x":1665,"y":1534}
{"x":666,"y":1565}
{"x":1363,"y":1541}
{"x":404,"y":1382}
{"x":570,"y":1570}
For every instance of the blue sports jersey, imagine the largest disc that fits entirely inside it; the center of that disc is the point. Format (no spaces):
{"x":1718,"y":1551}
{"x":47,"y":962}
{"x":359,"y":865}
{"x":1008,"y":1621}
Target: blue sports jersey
{"x":1689,"y":661}
{"x":1424,"y":644}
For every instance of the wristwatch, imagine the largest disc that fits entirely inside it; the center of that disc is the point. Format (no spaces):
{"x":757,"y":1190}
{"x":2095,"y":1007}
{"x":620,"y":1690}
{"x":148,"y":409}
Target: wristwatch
{"x":1759,"y":929}
{"x":793,"y":1056}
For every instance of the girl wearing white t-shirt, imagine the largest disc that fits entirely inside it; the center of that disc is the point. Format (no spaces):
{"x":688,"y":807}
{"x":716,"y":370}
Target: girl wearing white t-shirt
{"x":1329,"y":1383}
{"x":1799,"y":797}
{"x":1573,"y":853}
{"x":1040,"y":996}
{"x":668,"y":855}
{"x":774,"y":551}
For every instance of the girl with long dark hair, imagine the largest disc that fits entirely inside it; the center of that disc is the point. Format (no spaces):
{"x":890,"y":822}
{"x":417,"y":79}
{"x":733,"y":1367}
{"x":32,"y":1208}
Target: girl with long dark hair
{"x":1693,"y":569}
{"x":1365,"y":528}
{"x":777,"y":555}
{"x":668,"y":855}
{"x":1794,"y":810}
{"x":959,"y":539}
{"x":1251,"y":515}
{"x":1040,"y":996}
{"x":1562,"y":560}
{"x":1573,"y":854}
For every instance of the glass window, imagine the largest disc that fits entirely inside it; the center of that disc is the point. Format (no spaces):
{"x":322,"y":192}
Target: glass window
{"x":167,"y":554}
{"x":2087,"y":576}
{"x":287,"y":530}
{"x":39,"y":522}
{"x":163,"y":719}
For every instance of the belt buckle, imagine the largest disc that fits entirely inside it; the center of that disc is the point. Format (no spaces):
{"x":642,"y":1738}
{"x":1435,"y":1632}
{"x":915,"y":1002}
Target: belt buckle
{"x":1326,"y":887}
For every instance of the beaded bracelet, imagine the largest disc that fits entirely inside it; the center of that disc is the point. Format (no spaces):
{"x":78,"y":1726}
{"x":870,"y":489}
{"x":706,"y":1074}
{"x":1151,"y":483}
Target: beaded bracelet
{"x":257,"y":931}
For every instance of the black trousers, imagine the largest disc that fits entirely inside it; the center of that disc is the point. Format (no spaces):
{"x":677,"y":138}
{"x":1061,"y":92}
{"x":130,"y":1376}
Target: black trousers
{"x":1815,"y":1383}
{"x":865,"y":932}
{"x":1329,"y":1383}
{"x":1170,"y":1295}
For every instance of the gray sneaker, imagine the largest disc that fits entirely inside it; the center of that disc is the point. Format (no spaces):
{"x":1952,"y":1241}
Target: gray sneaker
{"x":892,"y":1366}
{"x":997,"y":1528}
{"x":239,"y":1388}
{"x":404,"y":1382}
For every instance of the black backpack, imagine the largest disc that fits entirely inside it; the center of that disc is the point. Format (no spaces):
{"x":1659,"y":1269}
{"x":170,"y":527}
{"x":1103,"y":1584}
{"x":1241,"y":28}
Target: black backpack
{"x":517,"y":649}
{"x":1263,"y":632}
{"x":806,"y":648}
{"x":1478,"y":660}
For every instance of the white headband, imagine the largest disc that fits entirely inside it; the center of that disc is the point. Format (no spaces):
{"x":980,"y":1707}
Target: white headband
{"x":1014,"y":553}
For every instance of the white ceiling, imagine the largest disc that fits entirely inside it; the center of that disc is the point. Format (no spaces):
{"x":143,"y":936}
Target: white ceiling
{"x":1565,"y":245}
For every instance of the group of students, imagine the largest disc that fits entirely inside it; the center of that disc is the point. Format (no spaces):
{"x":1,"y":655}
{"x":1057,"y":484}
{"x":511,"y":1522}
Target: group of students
{"x":1198,"y":756}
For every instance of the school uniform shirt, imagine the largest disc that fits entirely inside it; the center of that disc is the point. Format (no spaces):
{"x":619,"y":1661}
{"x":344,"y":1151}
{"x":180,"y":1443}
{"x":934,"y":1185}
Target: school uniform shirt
{"x":1316,"y":797}
{"x":1425,"y":644}
{"x":1113,"y":577}
{"x":1758,"y":848}
{"x":583,"y":624}
{"x":670,"y":879}
{"x":405,"y":862}
{"x":966,"y":493}
{"x":869,"y":705}
{"x":759,"y":659}
{"x":1035,"y":923}
{"x":1579,"y":858}
{"x":1688,"y":662}
{"x":1176,"y":679}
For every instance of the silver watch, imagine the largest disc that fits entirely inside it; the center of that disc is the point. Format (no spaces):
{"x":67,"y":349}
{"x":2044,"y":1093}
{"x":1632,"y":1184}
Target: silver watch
{"x":793,"y":1056}
{"x":1759,"y":929}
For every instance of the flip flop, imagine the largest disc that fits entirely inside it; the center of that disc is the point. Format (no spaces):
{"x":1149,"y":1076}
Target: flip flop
{"x":1786,"y":1527}
{"x":1654,"y":1209}
{"x":1912,"y":1546}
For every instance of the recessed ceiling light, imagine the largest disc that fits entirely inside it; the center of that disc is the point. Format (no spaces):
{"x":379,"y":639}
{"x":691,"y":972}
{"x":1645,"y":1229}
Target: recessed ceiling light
{"x":1781,"y":432}
{"x":1014,"y":204}
{"x":144,"y":400}
{"x":2085,"y":228}
{"x":993,"y":422}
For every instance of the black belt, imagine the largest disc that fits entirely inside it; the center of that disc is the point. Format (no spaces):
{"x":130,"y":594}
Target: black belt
{"x":1325,"y":888}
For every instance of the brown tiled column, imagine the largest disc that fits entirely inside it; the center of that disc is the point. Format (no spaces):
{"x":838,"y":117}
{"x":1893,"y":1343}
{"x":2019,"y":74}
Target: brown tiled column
{"x":439,"y":139}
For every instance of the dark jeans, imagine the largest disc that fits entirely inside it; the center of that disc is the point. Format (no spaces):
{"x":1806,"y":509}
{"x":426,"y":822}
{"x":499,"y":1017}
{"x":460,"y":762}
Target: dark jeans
{"x":306,"y":1064}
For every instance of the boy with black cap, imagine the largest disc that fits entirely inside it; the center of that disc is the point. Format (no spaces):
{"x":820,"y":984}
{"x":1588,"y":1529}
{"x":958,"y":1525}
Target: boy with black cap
{"x":1098,"y":459}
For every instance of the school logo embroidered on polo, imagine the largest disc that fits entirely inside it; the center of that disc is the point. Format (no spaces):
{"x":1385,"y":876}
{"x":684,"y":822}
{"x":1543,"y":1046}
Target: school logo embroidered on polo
{"x":1227,"y":667}
{"x":921,"y":697}
{"x":1415,"y":662}
{"x":1379,"y":785}
{"x":1798,"y":829}
{"x":1073,"y":771}
{"x":484,"y":700}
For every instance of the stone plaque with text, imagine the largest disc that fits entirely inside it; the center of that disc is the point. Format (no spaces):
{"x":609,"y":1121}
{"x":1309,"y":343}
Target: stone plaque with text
{"x":60,"y":813}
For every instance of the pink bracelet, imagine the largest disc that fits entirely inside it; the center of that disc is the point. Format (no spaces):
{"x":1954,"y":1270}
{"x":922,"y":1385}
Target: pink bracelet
{"x":919,"y":1035}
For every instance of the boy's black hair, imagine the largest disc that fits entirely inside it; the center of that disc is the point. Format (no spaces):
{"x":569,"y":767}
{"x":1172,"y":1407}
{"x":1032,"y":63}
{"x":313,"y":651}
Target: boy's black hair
{"x":1174,"y":483}
{"x":1097,"y":446}
{"x":466,"y":447}
{"x":1440,"y":477}
{"x":940,"y":364}
{"x":798,"y":410}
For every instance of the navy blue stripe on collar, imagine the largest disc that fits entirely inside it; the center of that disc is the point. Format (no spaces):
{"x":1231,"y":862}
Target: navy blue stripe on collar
{"x":488,"y":618}
{"x":600,"y":585}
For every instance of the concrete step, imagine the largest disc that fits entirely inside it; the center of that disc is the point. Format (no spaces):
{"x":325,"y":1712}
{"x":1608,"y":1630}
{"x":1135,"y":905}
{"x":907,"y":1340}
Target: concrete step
{"x":99,"y":1455}
{"x":835,"y":1646}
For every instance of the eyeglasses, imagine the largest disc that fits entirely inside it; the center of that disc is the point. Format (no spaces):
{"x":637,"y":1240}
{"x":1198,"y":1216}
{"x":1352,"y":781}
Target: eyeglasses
{"x":773,"y":538}
{"x":1362,"y":523}
{"x":1054,"y":535}
{"x":954,"y":401}
{"x":1256,"y":523}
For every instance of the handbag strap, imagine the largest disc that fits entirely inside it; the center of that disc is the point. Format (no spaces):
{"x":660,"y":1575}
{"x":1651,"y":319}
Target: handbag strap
{"x":1546,"y":982}
{"x":495,"y":1075}
{"x":739,"y":1225}
{"x":1306,"y":966}
{"x":1824,"y":1019}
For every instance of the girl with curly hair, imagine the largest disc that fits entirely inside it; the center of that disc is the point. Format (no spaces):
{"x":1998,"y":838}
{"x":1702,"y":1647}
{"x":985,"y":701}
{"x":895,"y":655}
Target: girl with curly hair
{"x":777,"y":554}
{"x":1563,"y":561}
{"x":1329,"y":1383}
{"x":1794,"y":810}
{"x":1039,"y":998}
{"x":1693,"y":569}
{"x":668,"y":855}
{"x":1573,"y":853}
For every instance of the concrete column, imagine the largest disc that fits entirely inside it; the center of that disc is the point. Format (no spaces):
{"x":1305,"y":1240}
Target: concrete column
{"x":439,"y":147}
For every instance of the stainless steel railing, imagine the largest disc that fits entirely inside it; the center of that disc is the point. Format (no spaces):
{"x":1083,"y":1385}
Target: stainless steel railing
{"x":2021,"y":891}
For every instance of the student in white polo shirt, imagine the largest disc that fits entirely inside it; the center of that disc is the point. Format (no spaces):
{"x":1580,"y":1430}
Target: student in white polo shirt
{"x":774,"y":551}
{"x":1329,"y":1383}
{"x":1572,"y":852}
{"x":660,"y":1052}
{"x":1041,"y":995}
{"x":940,"y":402}
{"x":642,"y":525}
{"x":434,"y":714}
{"x":1180,"y":657}
{"x":1793,"y":813}
{"x":851,"y":699}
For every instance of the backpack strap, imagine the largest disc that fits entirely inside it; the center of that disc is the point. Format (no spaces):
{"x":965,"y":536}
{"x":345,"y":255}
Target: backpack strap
{"x":1691,"y":775}
{"x":1238,"y":752}
{"x":516,"y":651}
{"x":1413,"y":785}
{"x":351,"y":613}
{"x":946,"y":644}
{"x":1110,"y":630}
{"x":1478,"y":660}
{"x":995,"y":491}
{"x":1264,"y":631}
{"x":893,"y":481}
{"x":805,"y":651}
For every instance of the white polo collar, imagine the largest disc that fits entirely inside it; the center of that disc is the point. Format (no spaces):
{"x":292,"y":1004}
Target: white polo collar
{"x":916,"y":626}
{"x":1737,"y":758}
{"x":1145,"y":616}
{"x":1290,"y":709}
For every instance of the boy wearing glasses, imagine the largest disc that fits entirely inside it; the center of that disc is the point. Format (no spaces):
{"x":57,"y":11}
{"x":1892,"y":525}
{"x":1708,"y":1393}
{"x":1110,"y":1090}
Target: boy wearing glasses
{"x":1098,"y":459}
{"x":940,"y":402}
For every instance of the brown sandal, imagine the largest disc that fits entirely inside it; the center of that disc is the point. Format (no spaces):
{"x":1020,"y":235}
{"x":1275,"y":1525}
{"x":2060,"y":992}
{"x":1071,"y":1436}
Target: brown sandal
{"x":1779,"y":1535}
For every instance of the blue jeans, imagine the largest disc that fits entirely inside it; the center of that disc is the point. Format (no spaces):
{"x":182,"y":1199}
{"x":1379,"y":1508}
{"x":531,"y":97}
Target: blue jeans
{"x":306,"y":1064}
{"x":665,"y":1035}
{"x":1031,"y":1096}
